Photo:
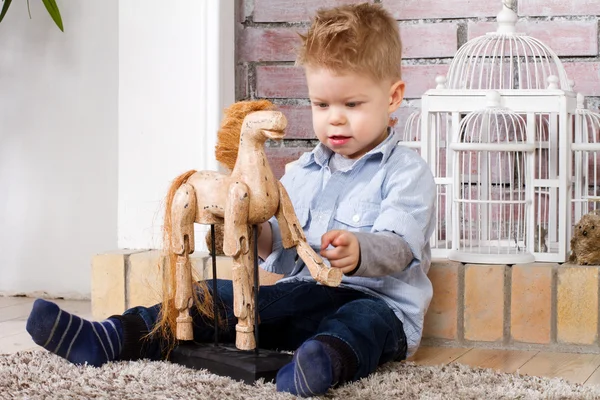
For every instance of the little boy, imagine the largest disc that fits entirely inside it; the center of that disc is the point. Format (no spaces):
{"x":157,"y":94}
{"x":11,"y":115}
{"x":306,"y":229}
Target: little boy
{"x":366,"y":203}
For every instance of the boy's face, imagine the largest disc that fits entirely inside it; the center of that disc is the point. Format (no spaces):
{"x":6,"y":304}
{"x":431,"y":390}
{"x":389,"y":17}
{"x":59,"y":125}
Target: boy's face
{"x":351,"y":111}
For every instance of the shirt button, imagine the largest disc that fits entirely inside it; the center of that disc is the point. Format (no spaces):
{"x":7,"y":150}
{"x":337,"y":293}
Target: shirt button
{"x":356,"y":218}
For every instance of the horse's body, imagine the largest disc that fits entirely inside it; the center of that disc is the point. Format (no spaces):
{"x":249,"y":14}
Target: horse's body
{"x":250,"y":195}
{"x":261,"y":183}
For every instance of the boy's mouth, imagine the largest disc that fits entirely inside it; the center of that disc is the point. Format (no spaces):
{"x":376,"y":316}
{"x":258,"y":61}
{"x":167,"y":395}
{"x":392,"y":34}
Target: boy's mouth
{"x":339,"y":140}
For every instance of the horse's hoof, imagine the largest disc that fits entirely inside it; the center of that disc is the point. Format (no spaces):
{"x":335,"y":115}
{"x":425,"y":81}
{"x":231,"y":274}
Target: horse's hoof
{"x":330,"y":276}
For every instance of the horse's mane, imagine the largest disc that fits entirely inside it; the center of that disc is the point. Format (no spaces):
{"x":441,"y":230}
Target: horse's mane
{"x":228,"y":137}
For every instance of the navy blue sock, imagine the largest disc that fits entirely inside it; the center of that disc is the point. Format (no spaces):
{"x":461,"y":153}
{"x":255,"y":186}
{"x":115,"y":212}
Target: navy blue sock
{"x":71,"y":337}
{"x":310,"y":373}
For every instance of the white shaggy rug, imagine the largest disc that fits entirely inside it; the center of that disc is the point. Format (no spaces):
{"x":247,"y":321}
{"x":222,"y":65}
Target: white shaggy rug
{"x":41,"y":375}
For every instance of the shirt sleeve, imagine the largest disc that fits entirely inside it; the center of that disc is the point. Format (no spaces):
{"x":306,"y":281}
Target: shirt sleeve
{"x":408,"y":205}
{"x":281,"y":260}
{"x":381,"y":254}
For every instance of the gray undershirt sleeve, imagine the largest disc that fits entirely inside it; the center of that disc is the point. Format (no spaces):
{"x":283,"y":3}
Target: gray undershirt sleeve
{"x":381,"y":253}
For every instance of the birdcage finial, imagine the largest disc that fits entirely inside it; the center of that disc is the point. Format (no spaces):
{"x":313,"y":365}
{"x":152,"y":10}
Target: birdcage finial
{"x":441,"y":81}
{"x":580,"y":101}
{"x":553,"y":82}
{"x":507,"y":18}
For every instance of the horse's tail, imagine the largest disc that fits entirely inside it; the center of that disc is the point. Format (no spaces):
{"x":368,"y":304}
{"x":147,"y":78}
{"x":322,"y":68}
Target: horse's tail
{"x":165,"y":327}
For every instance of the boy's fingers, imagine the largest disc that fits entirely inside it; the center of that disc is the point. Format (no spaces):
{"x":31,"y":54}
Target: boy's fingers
{"x":342,"y":239}
{"x":329,"y":238}
{"x":346,"y":264}
{"x":334,"y":254}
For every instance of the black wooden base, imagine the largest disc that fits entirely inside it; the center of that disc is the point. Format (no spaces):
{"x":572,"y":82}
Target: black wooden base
{"x":225,"y":360}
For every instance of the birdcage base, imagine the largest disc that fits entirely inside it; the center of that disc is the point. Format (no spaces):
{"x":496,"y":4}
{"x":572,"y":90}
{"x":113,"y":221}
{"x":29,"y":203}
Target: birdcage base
{"x":490,"y":255}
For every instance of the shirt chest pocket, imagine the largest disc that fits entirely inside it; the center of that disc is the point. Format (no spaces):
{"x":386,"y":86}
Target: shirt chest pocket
{"x":356,"y":217}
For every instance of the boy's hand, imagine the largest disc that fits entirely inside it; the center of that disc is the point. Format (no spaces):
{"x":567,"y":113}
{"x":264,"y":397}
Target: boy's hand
{"x":346,"y":252}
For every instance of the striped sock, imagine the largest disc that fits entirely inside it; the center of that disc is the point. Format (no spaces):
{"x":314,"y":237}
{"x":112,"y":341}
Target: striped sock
{"x":309,"y":374}
{"x":74,"y":338}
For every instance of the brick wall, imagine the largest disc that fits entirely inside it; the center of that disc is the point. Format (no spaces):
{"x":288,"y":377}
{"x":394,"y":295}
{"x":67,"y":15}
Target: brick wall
{"x":432,"y":31}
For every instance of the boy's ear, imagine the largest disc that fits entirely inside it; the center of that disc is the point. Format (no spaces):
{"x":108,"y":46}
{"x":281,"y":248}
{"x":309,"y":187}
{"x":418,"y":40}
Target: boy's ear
{"x":396,"y":96}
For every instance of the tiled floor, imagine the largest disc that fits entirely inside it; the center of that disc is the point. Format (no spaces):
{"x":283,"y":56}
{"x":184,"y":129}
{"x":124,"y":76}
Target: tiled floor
{"x":13,"y":315}
{"x":580,"y":368}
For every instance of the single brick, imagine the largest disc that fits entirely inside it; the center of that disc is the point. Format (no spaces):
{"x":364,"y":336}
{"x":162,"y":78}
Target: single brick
{"x":420,"y":78}
{"x":441,"y":317}
{"x":280,"y":81}
{"x":267,"y":44}
{"x":299,"y":122}
{"x":548,"y":8}
{"x":484,"y":302}
{"x":429,"y":40}
{"x":292,"y":10}
{"x":577,"y":304}
{"x":144,"y":279}
{"x":531,"y":303}
{"x":108,"y":283}
{"x":421,"y":9}
{"x":576,"y":38}
{"x":585,"y":75}
{"x":280,"y":156}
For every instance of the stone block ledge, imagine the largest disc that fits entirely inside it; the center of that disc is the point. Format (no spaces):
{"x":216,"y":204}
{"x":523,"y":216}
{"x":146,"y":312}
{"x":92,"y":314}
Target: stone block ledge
{"x":537,"y":306}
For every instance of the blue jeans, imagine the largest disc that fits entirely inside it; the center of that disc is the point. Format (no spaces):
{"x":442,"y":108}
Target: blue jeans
{"x":293,"y":312}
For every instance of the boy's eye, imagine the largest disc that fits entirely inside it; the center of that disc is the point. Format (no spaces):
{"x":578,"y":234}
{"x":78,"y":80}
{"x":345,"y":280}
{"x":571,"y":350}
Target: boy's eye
{"x":352,"y":104}
{"x":320,"y":105}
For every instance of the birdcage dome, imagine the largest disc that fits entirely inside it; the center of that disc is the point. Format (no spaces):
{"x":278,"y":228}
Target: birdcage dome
{"x":492,"y":125}
{"x":506,"y":59}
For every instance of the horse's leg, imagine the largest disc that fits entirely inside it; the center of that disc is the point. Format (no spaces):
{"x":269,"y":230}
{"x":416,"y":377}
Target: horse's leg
{"x":183,"y":213}
{"x":293,"y":235}
{"x":238,"y":244}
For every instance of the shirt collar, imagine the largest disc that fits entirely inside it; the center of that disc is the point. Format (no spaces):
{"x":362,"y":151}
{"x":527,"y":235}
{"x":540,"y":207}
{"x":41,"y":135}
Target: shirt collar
{"x":321,"y":153}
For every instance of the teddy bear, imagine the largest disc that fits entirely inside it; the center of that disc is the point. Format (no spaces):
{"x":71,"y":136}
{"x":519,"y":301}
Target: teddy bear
{"x":585,"y":243}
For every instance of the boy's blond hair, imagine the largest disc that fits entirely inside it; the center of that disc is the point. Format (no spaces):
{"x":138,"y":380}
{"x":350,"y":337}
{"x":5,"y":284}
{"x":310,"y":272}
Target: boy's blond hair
{"x":360,"y":38}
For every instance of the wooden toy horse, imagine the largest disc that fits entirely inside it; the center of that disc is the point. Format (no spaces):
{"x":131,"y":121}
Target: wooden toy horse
{"x":249,"y":195}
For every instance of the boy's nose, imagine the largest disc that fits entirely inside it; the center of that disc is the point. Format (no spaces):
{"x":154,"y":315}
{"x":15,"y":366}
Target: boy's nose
{"x":336,"y":116}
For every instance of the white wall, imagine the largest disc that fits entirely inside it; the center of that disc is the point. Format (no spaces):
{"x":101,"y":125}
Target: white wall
{"x":58,"y":145}
{"x":95,"y":123}
{"x":176,"y":74}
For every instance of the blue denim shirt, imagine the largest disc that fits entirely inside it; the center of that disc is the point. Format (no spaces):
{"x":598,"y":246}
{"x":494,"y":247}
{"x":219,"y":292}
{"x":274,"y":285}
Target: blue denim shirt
{"x":391,"y":189}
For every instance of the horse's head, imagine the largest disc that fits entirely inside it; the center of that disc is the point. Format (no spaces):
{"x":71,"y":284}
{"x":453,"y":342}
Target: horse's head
{"x":254,"y":117}
{"x":269,"y":124}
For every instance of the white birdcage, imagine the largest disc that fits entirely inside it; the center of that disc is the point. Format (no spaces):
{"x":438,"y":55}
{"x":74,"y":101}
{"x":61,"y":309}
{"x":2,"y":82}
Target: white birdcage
{"x":492,"y":186}
{"x":586,"y":161}
{"x":531,"y":82}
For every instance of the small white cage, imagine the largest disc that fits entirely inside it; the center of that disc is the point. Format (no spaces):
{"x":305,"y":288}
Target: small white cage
{"x":491,"y":200}
{"x":532,"y":83}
